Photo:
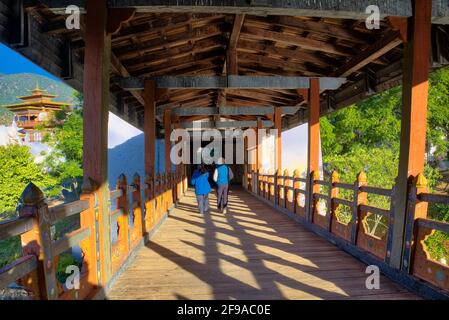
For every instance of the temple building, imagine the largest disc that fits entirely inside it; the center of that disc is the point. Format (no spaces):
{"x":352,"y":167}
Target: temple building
{"x":32,"y":113}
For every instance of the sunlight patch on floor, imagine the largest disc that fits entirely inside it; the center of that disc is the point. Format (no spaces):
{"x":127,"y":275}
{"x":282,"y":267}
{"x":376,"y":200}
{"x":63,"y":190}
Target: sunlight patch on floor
{"x":268,"y":236}
{"x":287,"y":256}
{"x":307,"y":279}
{"x":242,"y":275}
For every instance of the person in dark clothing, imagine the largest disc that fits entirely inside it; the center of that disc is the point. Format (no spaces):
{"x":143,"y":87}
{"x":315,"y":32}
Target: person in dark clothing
{"x":222,"y":176}
{"x":202,"y":188}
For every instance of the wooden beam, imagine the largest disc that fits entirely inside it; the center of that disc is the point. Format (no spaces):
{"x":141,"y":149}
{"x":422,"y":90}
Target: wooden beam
{"x":167,"y":146}
{"x":149,"y":129}
{"x":122,"y":71}
{"x":313,"y":146}
{"x":184,"y":112}
{"x":231,"y":53}
{"x":117,"y":18}
{"x":400,"y":25}
{"x":95,"y":113}
{"x":230,"y":65}
{"x":232,"y":82}
{"x":323,"y":8}
{"x":373,"y":52}
{"x":259,"y":158}
{"x":413,"y":124}
{"x":296,"y":40}
{"x":256,"y":47}
{"x":236,"y":29}
{"x":227,"y":124}
{"x":278,"y":141}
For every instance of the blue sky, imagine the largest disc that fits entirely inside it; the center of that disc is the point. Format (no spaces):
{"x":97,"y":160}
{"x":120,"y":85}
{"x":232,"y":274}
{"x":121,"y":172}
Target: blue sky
{"x":12,"y":62}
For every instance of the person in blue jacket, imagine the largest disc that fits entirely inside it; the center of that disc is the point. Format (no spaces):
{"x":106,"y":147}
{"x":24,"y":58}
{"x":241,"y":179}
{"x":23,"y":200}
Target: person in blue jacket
{"x":222,"y":176}
{"x":202,"y":188}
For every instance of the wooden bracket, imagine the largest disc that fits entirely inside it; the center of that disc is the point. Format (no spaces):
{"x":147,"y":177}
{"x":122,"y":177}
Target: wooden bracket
{"x":399,"y":24}
{"x":118,"y":17}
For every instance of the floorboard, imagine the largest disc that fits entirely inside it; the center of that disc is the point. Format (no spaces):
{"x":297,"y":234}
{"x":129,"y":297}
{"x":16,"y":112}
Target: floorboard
{"x":252,"y":252}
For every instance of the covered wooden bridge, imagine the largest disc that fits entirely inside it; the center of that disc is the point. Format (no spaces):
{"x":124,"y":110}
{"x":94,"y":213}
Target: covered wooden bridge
{"x":231,"y":64}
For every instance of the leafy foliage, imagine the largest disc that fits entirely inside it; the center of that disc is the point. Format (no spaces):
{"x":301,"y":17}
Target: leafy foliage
{"x":366,"y":137}
{"x":64,"y":163}
{"x":17,"y":169}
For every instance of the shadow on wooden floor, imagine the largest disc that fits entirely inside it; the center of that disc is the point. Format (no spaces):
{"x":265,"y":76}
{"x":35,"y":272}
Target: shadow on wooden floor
{"x":252,"y":252}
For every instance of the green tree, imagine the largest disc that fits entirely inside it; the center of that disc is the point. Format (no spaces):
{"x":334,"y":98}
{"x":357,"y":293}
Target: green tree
{"x":65,"y":161}
{"x":17,"y":169}
{"x":366,"y":136}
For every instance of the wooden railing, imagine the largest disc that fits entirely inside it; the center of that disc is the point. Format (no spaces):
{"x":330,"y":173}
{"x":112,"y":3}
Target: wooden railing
{"x":343,"y":213}
{"x":134,"y":215}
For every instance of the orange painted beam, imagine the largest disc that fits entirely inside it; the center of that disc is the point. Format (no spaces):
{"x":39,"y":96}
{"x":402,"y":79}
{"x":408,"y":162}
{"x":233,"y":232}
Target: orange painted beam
{"x":259,"y":145}
{"x":167,"y":148}
{"x":96,"y":92}
{"x":313,"y":146}
{"x":149,"y":127}
{"x":314,"y":126}
{"x":97,"y":59}
{"x":278,"y":127}
{"x":415,"y":86}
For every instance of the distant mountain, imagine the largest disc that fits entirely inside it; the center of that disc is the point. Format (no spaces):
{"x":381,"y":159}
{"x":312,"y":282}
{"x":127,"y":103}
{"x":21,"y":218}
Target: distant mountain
{"x":16,"y":85}
{"x":128,"y":158}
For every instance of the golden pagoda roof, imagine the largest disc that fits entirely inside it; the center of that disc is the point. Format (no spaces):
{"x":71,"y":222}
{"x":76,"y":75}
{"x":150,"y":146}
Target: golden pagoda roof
{"x":39,"y":99}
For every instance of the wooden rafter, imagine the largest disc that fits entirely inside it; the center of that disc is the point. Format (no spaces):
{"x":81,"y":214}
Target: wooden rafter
{"x":375,"y":51}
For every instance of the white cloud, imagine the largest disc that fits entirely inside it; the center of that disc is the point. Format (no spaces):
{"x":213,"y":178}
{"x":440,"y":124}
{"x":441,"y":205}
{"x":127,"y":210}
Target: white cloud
{"x":120,"y":131}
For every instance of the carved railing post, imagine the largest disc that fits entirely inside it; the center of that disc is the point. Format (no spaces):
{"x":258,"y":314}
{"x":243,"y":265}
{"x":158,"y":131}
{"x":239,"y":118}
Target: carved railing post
{"x":170,"y":191}
{"x":296,"y":186}
{"x":284,"y":189}
{"x":253,"y":182}
{"x":165,"y":189}
{"x":136,"y":211}
{"x":273,"y":191}
{"x":121,"y":248}
{"x":391,"y":223}
{"x":149,"y":202}
{"x":415,"y":209}
{"x":258,"y":182}
{"x":91,"y":246}
{"x":264,"y":185}
{"x":313,"y":188}
{"x":359,"y":198}
{"x":185,"y":180}
{"x":38,"y":241}
{"x":158,"y":197}
{"x":333,"y":193}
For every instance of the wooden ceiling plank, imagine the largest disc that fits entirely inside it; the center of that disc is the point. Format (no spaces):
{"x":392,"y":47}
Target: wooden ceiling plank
{"x":374,"y":52}
{"x":297,"y":40}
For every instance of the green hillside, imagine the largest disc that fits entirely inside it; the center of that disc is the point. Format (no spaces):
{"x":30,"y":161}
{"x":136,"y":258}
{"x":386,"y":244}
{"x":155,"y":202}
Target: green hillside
{"x":20,"y":84}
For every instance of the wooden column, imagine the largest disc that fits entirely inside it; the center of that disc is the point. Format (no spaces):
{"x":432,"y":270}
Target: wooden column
{"x":278,"y":127}
{"x":313,"y":148}
{"x":167,"y":147}
{"x":413,"y":125}
{"x":97,"y":57}
{"x":259,"y":145}
{"x":149,"y":125}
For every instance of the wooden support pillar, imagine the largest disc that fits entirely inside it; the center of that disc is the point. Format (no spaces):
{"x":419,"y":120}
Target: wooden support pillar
{"x":97,"y":58}
{"x":278,"y":143}
{"x":413,"y":125}
{"x":259,"y":145}
{"x":167,"y":147}
{"x":313,"y":149}
{"x":149,"y":130}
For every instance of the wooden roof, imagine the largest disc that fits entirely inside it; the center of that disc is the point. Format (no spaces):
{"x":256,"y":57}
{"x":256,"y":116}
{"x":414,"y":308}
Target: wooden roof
{"x":157,"y":44}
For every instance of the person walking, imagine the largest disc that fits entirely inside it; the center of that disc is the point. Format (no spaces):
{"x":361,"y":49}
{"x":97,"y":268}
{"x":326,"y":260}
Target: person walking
{"x":222,"y":176}
{"x":202,"y":188}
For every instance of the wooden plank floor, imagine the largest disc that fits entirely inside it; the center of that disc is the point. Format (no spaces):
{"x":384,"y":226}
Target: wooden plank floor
{"x":252,"y":252}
